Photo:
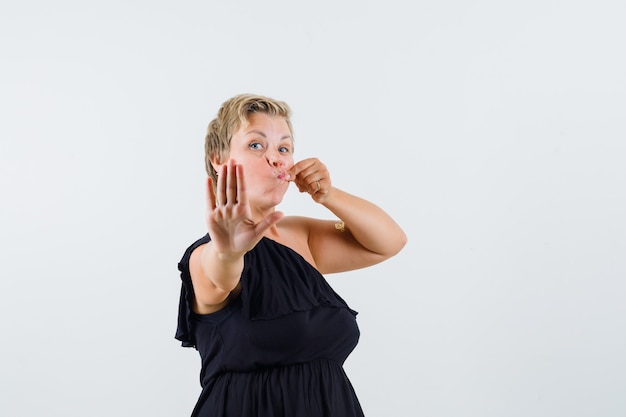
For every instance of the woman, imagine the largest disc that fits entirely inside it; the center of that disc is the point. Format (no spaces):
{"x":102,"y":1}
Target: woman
{"x":272,"y":334}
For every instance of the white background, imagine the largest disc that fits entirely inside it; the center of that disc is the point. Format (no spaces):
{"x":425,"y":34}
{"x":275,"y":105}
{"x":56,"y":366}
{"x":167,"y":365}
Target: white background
{"x":493,"y":131}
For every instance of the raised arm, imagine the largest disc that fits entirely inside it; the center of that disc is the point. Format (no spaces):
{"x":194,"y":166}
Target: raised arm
{"x":364,"y":235}
{"x":216,"y":266}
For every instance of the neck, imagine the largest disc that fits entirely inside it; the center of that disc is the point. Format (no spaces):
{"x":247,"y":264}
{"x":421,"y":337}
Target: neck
{"x":272,"y":232}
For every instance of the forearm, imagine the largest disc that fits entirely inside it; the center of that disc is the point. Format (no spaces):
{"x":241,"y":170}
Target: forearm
{"x":223,"y":271}
{"x":369,"y":224}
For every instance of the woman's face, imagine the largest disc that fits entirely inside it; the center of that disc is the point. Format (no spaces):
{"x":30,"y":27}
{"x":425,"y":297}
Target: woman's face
{"x":265,"y":148}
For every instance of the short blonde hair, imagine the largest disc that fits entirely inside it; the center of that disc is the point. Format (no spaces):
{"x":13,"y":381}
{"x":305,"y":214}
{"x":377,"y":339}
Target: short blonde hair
{"x":232,"y":115}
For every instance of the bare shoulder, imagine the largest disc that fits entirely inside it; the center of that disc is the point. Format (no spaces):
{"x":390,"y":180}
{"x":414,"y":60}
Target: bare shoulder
{"x":303,"y":228}
{"x":294,"y":232}
{"x":316,"y":240}
{"x":302,"y":224}
{"x":293,"y":220}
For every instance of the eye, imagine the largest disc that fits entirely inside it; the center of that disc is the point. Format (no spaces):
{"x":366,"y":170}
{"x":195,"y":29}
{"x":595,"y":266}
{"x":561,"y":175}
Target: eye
{"x":255,"y":145}
{"x":284,"y":149}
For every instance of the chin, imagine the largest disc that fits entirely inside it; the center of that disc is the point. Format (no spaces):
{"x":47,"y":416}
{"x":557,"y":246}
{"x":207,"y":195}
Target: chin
{"x":277,"y":199}
{"x":272,"y":197}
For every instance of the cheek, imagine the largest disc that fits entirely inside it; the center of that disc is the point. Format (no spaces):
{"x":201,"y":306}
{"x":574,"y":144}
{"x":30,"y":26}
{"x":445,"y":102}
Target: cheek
{"x":251,"y":161}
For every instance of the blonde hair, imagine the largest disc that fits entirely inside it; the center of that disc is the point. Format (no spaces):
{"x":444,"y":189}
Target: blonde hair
{"x":232,"y":115}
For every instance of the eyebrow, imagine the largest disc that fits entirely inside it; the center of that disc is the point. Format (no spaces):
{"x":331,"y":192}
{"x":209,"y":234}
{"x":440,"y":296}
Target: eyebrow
{"x":260,"y":133}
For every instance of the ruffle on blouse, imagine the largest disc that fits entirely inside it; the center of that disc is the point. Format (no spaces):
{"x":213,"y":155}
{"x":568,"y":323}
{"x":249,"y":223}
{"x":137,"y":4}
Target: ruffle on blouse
{"x":275,"y":281}
{"x":184,"y":331}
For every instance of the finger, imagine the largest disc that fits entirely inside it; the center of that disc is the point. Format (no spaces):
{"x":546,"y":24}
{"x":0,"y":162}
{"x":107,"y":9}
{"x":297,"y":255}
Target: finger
{"x":313,"y":172}
{"x":293,"y":171}
{"x":242,"y":196}
{"x":290,"y":175}
{"x":221,"y":185}
{"x":312,"y":183}
{"x":300,"y":166}
{"x":231,"y":183}
{"x":314,"y":186}
{"x":268,"y":222}
{"x":210,"y":194}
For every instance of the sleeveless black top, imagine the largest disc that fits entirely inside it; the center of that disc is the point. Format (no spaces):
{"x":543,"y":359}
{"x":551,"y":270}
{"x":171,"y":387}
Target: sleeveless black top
{"x":278,"y":348}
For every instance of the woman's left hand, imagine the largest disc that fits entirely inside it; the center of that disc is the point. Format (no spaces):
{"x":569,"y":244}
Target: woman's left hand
{"x":311,"y":176}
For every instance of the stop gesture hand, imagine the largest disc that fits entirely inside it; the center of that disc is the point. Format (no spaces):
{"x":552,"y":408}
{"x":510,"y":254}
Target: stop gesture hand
{"x":229,"y":218}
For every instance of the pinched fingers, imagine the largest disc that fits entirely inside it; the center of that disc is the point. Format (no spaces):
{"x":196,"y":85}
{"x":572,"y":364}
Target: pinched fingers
{"x":312,"y":176}
{"x":313,"y":186}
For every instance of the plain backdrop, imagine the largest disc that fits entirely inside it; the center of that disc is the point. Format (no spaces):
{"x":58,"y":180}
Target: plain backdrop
{"x":493,"y":131}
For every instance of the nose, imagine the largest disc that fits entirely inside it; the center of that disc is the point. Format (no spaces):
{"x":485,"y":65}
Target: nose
{"x":274,"y":160}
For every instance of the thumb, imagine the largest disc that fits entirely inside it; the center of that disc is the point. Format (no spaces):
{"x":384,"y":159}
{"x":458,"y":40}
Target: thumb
{"x":268,"y":222}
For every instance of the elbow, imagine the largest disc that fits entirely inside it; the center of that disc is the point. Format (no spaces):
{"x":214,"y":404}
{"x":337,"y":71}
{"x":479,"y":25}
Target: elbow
{"x":395,"y":245}
{"x":400,"y":242}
